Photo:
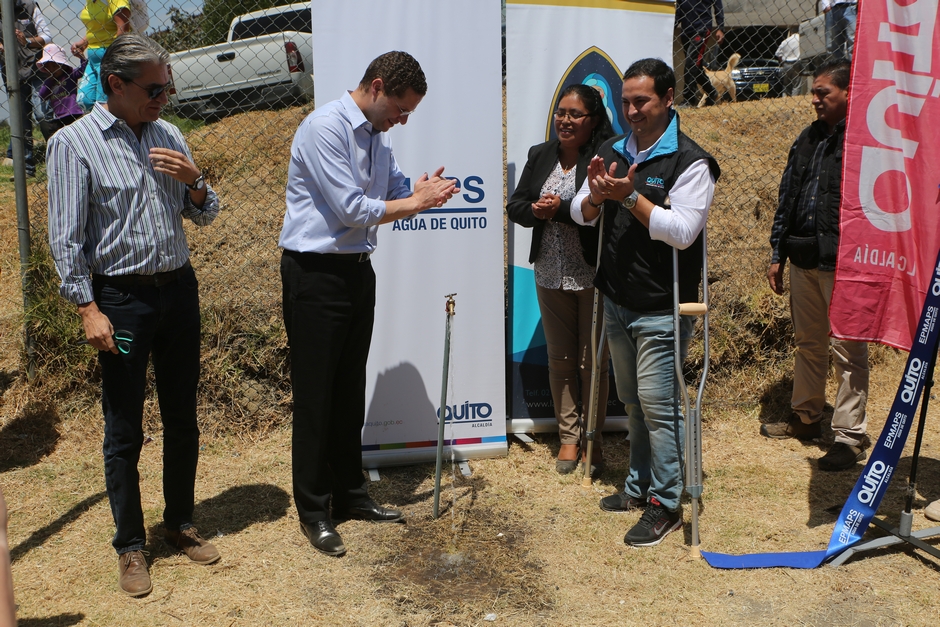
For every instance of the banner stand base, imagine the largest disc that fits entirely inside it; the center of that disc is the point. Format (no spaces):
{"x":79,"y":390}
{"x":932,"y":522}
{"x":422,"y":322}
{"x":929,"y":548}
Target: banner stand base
{"x":896,"y":537}
{"x":902,"y":533}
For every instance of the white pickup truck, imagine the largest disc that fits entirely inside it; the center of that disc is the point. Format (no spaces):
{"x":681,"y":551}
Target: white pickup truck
{"x":266,"y":61}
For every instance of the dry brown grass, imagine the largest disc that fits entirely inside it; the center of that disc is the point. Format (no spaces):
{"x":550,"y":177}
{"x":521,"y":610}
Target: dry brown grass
{"x":515,"y":539}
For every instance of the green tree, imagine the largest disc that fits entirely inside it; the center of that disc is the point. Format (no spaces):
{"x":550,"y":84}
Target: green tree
{"x":218,"y":15}
{"x":185,"y":31}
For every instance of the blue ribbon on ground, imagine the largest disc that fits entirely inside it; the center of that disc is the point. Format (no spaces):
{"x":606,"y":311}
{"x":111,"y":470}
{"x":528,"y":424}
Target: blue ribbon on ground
{"x":871,"y":486}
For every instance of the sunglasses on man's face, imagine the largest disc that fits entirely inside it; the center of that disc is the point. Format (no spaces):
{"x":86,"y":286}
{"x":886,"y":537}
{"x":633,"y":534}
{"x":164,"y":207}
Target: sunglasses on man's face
{"x":154,"y":91}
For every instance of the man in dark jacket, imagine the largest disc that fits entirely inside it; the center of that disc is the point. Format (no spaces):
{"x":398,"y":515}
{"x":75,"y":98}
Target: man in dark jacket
{"x":32,"y":35}
{"x":806,"y":231}
{"x":662,"y":202}
{"x":696,"y":24}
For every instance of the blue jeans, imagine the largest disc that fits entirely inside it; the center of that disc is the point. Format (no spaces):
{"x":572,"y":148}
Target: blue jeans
{"x":840,"y":29}
{"x":642,"y":350}
{"x":90,"y":90}
{"x":165,"y":323}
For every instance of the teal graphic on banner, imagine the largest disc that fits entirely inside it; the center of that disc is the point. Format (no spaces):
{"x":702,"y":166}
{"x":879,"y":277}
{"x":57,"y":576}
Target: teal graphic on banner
{"x":593,"y":68}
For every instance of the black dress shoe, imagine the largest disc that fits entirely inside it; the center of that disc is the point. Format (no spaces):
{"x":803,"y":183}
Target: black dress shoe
{"x":324,"y":537}
{"x":369,"y":510}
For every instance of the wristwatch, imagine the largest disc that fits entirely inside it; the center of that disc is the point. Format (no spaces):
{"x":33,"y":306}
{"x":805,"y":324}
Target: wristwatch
{"x":198,"y":184}
{"x":630,"y":201}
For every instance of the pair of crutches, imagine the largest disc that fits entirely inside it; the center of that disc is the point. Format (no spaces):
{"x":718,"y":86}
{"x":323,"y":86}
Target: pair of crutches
{"x":693,"y":415}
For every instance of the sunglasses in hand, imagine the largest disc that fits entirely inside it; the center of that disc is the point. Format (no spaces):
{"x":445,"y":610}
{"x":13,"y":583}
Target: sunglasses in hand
{"x":122,"y":339}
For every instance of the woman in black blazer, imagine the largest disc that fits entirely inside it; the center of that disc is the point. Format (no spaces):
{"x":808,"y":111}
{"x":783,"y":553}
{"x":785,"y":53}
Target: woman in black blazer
{"x":565,"y":254}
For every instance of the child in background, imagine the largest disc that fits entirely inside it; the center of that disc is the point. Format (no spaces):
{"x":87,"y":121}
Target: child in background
{"x":59,"y":89}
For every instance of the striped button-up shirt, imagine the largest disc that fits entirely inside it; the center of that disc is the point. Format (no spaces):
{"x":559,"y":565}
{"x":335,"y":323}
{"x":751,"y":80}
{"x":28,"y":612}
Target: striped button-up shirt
{"x":110,"y":212}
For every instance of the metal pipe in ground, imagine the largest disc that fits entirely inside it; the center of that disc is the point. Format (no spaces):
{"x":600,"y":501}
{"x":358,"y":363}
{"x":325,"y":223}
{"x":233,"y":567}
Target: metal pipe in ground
{"x":449,"y":307}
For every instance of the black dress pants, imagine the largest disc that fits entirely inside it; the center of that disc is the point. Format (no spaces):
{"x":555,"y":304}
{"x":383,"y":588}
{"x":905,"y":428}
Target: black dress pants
{"x":329,"y":310}
{"x":165,"y":324}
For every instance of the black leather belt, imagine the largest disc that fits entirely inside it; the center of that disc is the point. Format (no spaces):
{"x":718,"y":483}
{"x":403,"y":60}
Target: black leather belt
{"x":356,"y":257}
{"x":158,"y":279}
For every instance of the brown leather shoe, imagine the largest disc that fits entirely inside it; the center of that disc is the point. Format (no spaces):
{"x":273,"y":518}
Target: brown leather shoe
{"x":189,"y":542}
{"x":133,"y":577}
{"x":792,"y":428}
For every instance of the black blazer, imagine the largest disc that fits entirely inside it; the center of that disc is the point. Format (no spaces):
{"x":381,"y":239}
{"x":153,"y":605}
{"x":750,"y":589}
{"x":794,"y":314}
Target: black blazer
{"x":540,"y":163}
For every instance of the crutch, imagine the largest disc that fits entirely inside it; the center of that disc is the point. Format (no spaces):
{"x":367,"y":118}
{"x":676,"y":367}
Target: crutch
{"x":693,"y":415}
{"x":598,"y":335}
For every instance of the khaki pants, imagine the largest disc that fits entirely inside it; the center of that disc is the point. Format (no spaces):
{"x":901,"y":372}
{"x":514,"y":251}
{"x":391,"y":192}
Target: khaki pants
{"x":810,"y":294}
{"x":566,"y":320}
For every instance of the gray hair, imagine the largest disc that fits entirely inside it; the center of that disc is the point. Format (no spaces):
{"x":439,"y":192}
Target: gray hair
{"x":127,"y":54}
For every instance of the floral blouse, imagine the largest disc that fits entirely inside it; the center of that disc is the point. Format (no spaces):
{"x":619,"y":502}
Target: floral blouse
{"x":560,"y":263}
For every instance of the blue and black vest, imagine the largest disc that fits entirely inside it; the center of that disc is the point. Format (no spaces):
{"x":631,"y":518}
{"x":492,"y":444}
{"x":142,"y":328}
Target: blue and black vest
{"x":636,"y":271}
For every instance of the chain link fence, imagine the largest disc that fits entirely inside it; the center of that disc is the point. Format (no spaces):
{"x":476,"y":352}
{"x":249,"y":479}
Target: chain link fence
{"x":242,"y":72}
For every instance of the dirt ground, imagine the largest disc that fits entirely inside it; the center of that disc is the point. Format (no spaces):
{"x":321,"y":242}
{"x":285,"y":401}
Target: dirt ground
{"x":516,"y":544}
{"x":515,"y":541}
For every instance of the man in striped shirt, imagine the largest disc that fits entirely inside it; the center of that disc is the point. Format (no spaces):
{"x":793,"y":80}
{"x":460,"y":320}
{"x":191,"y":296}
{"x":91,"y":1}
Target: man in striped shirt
{"x":120,"y":183}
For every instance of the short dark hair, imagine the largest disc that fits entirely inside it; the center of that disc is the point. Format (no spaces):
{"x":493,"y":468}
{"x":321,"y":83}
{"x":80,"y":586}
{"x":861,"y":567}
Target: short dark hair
{"x":127,"y":54}
{"x":399,"y":72}
{"x":594,"y":103}
{"x":838,"y":71}
{"x":663,"y":77}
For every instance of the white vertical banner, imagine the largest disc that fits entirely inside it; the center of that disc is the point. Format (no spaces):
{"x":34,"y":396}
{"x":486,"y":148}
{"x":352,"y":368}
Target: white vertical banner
{"x":551,"y":44}
{"x":454,"y":249}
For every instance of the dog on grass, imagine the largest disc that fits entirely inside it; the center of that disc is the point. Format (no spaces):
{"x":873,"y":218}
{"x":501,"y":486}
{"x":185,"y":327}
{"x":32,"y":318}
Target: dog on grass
{"x":721,"y":81}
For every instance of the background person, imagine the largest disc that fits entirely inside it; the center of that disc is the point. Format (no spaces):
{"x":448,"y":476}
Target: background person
{"x":806,"y":231}
{"x":342,"y":182}
{"x":697,"y":20}
{"x":59,"y":89}
{"x":32,"y":33}
{"x":104,"y":21}
{"x":841,"y":16}
{"x":788,"y":53}
{"x":565,"y":255}
{"x":660,"y":167}
{"x":116,"y":234}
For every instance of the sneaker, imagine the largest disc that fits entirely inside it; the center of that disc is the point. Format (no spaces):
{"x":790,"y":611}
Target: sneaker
{"x":133,"y":577}
{"x":793,"y":428}
{"x":622,"y":502}
{"x":932,"y":511}
{"x":189,"y":542}
{"x":655,"y":524}
{"x":841,"y":456}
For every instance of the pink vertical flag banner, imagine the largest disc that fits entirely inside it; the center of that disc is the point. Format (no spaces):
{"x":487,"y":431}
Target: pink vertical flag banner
{"x":890,"y":218}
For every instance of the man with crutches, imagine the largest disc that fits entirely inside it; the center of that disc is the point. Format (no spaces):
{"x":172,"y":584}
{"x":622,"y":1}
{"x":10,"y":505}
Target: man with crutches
{"x":655,"y":186}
